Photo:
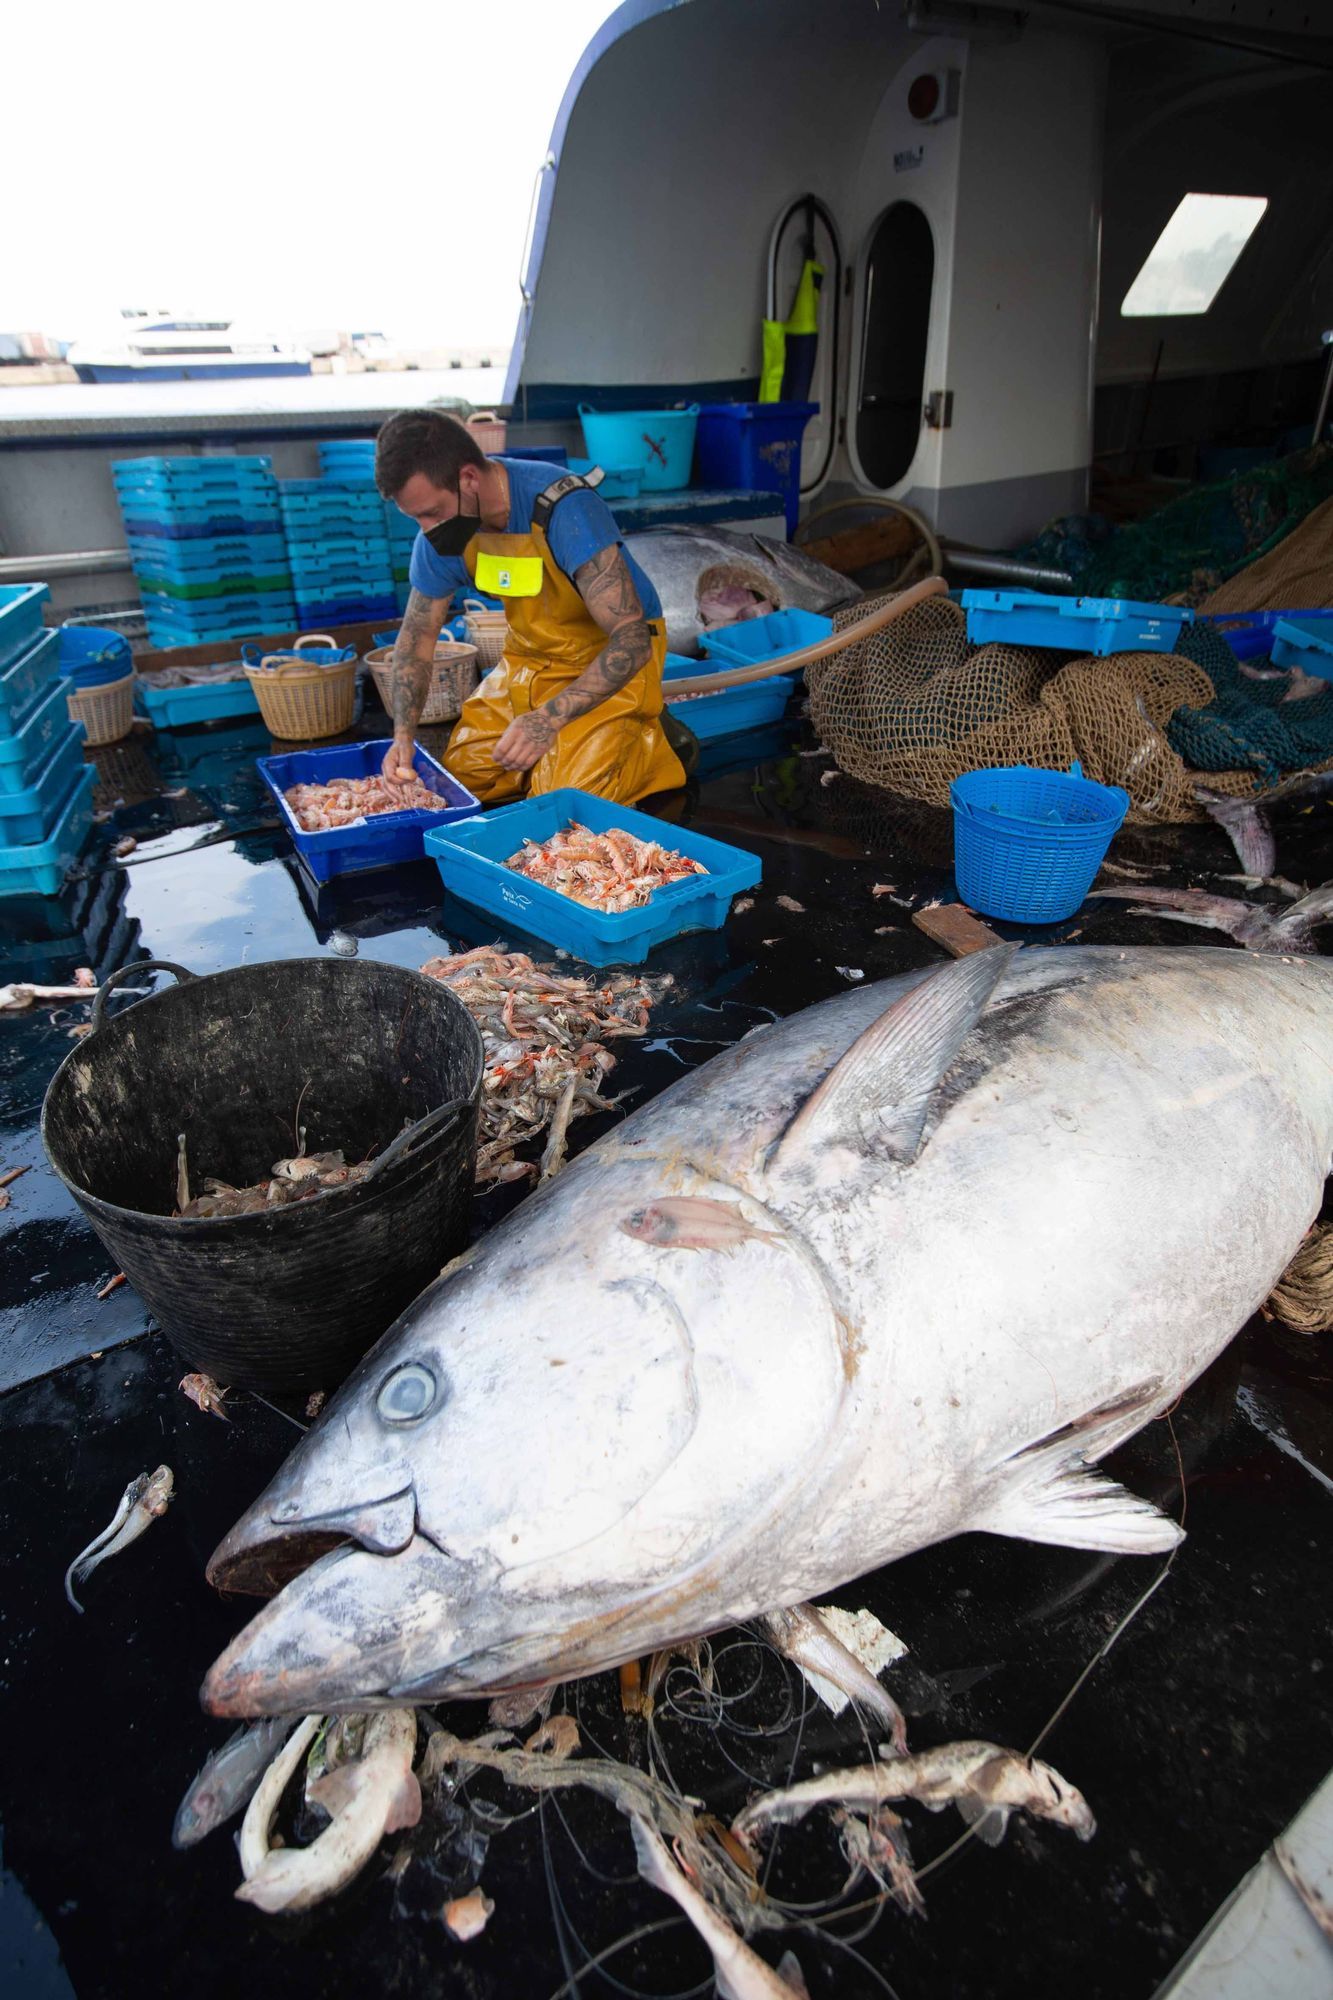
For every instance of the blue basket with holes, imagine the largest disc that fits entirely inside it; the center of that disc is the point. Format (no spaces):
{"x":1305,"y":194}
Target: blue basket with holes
{"x":1028,"y":843}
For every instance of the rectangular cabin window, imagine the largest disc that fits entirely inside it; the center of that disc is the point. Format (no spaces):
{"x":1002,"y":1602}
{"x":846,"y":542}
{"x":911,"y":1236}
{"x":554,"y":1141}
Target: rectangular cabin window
{"x":1192,"y":258}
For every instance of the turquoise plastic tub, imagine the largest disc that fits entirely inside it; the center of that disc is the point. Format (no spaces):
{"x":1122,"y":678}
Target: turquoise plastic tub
{"x":472,"y":854}
{"x":23,"y":754}
{"x":39,"y":867}
{"x":661,"y":441}
{"x":22,"y":684}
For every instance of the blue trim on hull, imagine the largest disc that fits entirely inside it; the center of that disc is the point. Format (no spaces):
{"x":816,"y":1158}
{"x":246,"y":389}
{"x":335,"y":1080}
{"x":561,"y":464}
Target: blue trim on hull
{"x":205,"y":371}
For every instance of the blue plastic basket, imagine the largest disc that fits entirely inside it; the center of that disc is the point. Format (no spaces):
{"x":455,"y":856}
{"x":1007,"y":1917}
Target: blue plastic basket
{"x":1028,"y":843}
{"x":1301,"y":642}
{"x":39,"y":868}
{"x":1249,"y":633}
{"x":471,"y":859}
{"x":24,"y":681}
{"x":183,"y":707}
{"x":768,"y":638}
{"x":20,"y":618}
{"x":661,"y":441}
{"x":93,"y":655}
{"x":755,"y":447}
{"x":23,"y":754}
{"x":730,"y":711}
{"x":386,"y":838}
{"x":1072,"y":624}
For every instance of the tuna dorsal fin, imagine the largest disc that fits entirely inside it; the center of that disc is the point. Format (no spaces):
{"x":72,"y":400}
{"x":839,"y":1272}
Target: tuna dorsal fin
{"x":1050,"y":1493}
{"x":877,"y":1095}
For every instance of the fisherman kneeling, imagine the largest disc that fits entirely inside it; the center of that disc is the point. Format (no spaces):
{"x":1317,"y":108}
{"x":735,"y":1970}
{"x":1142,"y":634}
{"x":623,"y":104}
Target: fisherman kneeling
{"x":577,"y":697}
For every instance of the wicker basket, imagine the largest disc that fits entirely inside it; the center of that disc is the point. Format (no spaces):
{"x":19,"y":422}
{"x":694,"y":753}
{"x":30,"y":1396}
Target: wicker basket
{"x":106,"y":712}
{"x":487,"y":630}
{"x":489,"y":430}
{"x":455,"y":678}
{"x":300,"y":704}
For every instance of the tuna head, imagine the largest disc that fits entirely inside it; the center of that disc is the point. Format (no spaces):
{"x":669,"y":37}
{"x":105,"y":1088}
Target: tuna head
{"x":565,"y":1450}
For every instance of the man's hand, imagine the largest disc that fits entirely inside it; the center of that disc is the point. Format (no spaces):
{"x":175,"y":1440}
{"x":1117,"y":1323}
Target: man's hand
{"x":527,"y":739}
{"x":398,"y":766}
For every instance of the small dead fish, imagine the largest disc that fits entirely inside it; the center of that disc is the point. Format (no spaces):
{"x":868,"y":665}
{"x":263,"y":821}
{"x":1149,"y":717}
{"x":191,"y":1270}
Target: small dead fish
{"x":741,"y":905}
{"x":740,"y":1971}
{"x":693,"y":1222}
{"x":205,"y":1394}
{"x":802,"y":1635}
{"x":790,"y":903}
{"x":467,"y":1916}
{"x":229,"y":1777}
{"x":140,"y":1504}
{"x":14,"y":998}
{"x":984,"y":1781}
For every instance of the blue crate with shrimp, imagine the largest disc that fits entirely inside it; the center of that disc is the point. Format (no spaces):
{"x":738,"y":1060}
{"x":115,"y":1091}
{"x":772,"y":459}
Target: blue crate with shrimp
{"x":383,"y":839}
{"x":471,"y":858}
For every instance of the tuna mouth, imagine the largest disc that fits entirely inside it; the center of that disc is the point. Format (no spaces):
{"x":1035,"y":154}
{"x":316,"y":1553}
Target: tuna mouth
{"x":277,"y":1540}
{"x":263,"y":1569}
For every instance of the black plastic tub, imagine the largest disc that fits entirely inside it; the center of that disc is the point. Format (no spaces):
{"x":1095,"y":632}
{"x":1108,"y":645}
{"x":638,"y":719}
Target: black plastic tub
{"x":367,"y":1058}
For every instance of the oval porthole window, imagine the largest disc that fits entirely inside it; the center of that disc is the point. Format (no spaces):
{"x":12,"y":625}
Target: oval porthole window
{"x":900,"y":271}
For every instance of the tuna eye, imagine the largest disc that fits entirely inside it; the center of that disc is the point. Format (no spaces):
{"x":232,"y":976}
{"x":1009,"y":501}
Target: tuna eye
{"x":406,"y":1394}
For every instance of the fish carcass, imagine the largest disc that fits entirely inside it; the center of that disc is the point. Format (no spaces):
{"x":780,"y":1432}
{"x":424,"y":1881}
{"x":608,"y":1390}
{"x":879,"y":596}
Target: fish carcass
{"x":715,"y":576}
{"x":903,"y":1265}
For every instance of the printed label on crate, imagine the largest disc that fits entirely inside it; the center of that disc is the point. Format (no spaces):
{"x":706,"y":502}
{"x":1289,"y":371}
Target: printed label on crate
{"x":515,"y":901}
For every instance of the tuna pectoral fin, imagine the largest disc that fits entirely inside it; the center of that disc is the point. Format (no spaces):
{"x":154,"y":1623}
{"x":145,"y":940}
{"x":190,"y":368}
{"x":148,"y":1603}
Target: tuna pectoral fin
{"x":877,"y":1095}
{"x":1051,"y":1493}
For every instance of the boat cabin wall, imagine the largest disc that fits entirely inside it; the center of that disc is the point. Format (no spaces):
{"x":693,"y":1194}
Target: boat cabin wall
{"x":699,"y":127}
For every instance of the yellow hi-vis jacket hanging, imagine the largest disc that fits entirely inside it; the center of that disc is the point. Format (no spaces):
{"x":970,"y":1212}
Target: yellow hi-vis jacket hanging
{"x":618,"y":749}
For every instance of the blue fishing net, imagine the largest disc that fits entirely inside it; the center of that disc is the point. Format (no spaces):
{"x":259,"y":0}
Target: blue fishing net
{"x":1247,"y":726}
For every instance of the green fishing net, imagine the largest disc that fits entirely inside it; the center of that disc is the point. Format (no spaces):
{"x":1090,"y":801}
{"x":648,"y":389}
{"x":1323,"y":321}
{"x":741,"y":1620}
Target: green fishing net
{"x":1248,"y":725}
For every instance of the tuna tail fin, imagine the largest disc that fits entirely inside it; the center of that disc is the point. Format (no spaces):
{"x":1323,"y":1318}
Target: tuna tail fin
{"x":1246,"y":826}
{"x":877,"y":1095}
{"x":1293,"y":926}
{"x":1050,"y":1492}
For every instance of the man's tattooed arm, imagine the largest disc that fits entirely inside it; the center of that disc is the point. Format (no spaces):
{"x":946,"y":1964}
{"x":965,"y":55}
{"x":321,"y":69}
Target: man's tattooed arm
{"x":608,"y":590}
{"x":413,"y":664}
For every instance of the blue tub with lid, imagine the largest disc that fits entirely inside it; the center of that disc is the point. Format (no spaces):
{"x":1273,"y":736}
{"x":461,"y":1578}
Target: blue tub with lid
{"x":1072,"y":624}
{"x":1305,"y":643}
{"x":661,"y":441}
{"x":384,"y":839}
{"x":39,"y":867}
{"x":23,"y":754}
{"x":21,"y":608}
{"x":28,"y":813}
{"x":768,"y":638}
{"x":471,"y":857}
{"x":730,"y":711}
{"x":1028,"y":842}
{"x":24,"y":680}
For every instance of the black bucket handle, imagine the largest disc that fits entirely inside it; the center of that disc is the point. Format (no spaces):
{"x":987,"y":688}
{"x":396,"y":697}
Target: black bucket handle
{"x":113,"y":979}
{"x":424,"y":1128}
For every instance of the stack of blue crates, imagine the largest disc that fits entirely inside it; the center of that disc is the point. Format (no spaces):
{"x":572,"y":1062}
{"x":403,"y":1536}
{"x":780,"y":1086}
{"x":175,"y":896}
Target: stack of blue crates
{"x":352,"y":461}
{"x":46,"y":788}
{"x":402,"y":531}
{"x":336,"y":539}
{"x":207,"y":545}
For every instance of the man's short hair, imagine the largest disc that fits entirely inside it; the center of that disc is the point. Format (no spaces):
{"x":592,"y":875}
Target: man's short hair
{"x":428,"y":441}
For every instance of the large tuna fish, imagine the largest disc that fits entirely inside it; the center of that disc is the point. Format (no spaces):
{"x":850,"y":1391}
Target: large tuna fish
{"x":727,"y":573}
{"x":900,"y":1266}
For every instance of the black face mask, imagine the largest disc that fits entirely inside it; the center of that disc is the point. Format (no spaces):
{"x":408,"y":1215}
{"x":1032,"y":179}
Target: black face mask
{"x":450,"y":538}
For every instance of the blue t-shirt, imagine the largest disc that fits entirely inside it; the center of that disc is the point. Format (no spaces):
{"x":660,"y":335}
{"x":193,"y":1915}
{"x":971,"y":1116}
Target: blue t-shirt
{"x":580,"y":527}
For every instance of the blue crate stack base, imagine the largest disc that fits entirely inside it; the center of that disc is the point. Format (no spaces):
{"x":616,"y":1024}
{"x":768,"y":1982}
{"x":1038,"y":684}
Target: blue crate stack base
{"x":46,"y":788}
{"x":207,"y":544}
{"x":337,"y":542}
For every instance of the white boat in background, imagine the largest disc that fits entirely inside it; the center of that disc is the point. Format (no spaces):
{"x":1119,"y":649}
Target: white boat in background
{"x":159,"y":347}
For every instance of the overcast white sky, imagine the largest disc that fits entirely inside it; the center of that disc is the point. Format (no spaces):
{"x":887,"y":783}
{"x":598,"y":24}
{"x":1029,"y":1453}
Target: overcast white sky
{"x":302,"y":165}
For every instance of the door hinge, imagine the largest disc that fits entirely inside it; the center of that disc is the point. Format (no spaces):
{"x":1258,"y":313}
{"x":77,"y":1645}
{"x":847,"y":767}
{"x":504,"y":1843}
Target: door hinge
{"x":938,"y":413}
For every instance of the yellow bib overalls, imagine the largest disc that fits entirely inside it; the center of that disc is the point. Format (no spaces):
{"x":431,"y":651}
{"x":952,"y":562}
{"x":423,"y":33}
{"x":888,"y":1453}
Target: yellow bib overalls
{"x":618,"y":749}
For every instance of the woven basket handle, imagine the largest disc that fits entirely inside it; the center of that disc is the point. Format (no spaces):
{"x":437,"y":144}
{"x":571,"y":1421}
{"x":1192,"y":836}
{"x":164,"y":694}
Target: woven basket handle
{"x":315,"y":639}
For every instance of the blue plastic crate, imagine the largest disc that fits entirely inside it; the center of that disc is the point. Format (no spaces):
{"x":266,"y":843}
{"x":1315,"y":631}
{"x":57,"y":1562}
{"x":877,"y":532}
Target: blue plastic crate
{"x":38,"y":868}
{"x":1249,"y":633}
{"x":1028,"y":843}
{"x":22,"y":682}
{"x":20,"y":618}
{"x":182,"y":707}
{"x":253,"y":462}
{"x":756,"y":639}
{"x":181,"y":475}
{"x":618,"y":482}
{"x":386,"y":838}
{"x":754,"y":447}
{"x":204,"y":551}
{"x":183,"y":525}
{"x":23,"y":754}
{"x":29,"y":814}
{"x":730,"y":710}
{"x":1072,"y":624}
{"x":471,"y":858}
{"x":229,"y":621}
{"x":545,"y":454}
{"x":346,"y":611}
{"x":1305,"y":643}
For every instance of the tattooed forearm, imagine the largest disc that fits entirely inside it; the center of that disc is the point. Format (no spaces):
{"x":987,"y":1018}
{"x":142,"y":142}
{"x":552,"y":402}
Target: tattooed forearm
{"x":414,"y":657}
{"x":607,"y":588}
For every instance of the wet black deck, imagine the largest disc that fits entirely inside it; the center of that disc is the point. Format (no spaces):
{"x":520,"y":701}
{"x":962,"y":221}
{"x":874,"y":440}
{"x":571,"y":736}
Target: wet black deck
{"x":1195,"y":1741}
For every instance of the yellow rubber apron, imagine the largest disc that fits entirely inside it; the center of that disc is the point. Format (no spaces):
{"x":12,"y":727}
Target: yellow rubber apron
{"x":618,"y":750}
